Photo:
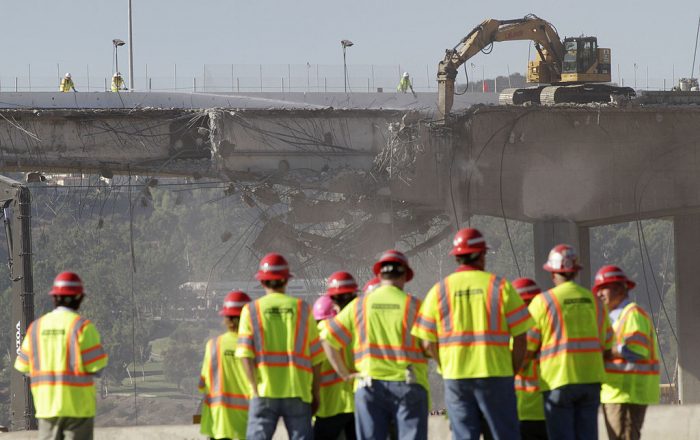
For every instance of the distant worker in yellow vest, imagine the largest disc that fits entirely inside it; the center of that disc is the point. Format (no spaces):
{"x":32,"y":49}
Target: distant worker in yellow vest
{"x":222,"y":381}
{"x":336,"y":412}
{"x":405,"y":84}
{"x":527,"y":383}
{"x":466,"y":323}
{"x":572,"y":335}
{"x":281,"y":352}
{"x":67,"y":84}
{"x":390,"y":368}
{"x":61,"y":354}
{"x":117,"y":82}
{"x":632,"y":375}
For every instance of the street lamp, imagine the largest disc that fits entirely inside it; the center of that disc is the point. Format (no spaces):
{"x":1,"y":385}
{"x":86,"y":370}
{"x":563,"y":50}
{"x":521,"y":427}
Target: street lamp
{"x":345,"y":44}
{"x":117,"y":43}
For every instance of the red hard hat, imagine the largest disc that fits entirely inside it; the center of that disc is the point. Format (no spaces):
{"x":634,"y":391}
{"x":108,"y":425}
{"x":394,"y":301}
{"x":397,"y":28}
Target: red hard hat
{"x":233,"y":303}
{"x":611,"y":274}
{"x":324,"y":308}
{"x":526,"y":288}
{"x":273,"y":267}
{"x":339,"y":283}
{"x":468,"y":241}
{"x":371,"y":285}
{"x":562,"y":259}
{"x":393,"y":256}
{"x":67,"y":284}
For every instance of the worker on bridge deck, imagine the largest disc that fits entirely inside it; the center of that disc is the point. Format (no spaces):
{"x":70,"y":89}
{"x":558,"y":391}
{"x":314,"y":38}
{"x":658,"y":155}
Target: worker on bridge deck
{"x":405,"y":84}
{"x":117,"y":83}
{"x":632,"y":375}
{"x":67,"y":84}
{"x":222,"y":381}
{"x":336,"y":411}
{"x":466,"y":323}
{"x":390,"y":368}
{"x":281,"y":352}
{"x":61,"y":353}
{"x":572,"y":335}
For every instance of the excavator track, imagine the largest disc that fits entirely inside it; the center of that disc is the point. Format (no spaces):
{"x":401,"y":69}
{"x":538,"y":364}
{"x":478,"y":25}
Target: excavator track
{"x":583,"y":93}
{"x":516,"y":96}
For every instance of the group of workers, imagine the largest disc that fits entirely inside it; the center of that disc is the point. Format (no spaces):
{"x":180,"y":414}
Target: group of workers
{"x":67,"y":83}
{"x":517,"y":362}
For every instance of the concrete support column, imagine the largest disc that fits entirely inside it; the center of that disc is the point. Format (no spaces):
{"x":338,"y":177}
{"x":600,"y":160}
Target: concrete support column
{"x":548,"y":234}
{"x":686,"y":235}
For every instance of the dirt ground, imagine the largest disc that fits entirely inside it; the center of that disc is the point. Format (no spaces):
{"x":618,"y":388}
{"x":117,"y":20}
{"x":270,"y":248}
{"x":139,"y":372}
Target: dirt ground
{"x":118,"y":410}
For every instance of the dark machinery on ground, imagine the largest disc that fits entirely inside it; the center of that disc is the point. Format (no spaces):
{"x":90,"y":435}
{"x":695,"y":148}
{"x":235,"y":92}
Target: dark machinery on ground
{"x":572,"y":70}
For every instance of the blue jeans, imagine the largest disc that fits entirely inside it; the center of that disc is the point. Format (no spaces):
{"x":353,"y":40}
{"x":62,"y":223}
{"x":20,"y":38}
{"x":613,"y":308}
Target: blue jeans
{"x":493,"y":397}
{"x":384,"y":402}
{"x":572,"y":411}
{"x":264,"y":412}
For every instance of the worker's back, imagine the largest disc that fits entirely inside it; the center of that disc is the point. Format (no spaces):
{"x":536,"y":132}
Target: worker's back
{"x":279,"y":332}
{"x":61,"y":352}
{"x":337,"y":395}
{"x":572,"y":330}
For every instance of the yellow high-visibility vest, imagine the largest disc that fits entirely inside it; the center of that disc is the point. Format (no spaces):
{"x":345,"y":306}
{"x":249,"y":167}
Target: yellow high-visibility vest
{"x":278,"y":331}
{"x":472,"y":315}
{"x":633,"y":381}
{"x":378,"y":327}
{"x":337,"y":395}
{"x":225,"y":388}
{"x":528,"y":394}
{"x":61,"y":353}
{"x":572,"y":329}
{"x":66,"y":85}
{"x":117,"y":83}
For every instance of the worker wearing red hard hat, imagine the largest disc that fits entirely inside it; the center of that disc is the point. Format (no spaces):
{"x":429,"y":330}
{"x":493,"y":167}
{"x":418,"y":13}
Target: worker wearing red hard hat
{"x":222,"y":380}
{"x":632,"y":375}
{"x":281,"y":352}
{"x":61,"y":353}
{"x":466,"y":323}
{"x":572,"y":335}
{"x":392,"y":373}
{"x":371,"y":285}
{"x":527,"y":384}
{"x":336,"y":410}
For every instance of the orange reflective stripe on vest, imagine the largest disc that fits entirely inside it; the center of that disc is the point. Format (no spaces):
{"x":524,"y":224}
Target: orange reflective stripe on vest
{"x":406,"y":352}
{"x":494,"y":335}
{"x":272,"y":358}
{"x":561,"y":342}
{"x":649,"y":366}
{"x":529,"y":384}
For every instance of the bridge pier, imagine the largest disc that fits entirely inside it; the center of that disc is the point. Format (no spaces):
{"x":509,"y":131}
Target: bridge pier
{"x":547,"y":234}
{"x":686,"y":235}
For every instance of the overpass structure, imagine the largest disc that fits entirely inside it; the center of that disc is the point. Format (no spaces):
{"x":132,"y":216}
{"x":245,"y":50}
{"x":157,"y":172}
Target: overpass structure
{"x":562,"y":168}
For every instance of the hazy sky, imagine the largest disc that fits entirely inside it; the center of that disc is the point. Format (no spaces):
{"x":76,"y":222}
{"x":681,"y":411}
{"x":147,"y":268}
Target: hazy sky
{"x":75,"y":33}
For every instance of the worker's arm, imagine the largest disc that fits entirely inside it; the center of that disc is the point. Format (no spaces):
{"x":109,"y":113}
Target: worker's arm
{"x":337,"y":362}
{"x":316,"y":389}
{"x":250,"y":374}
{"x":519,"y":353}
{"x":432,"y":350}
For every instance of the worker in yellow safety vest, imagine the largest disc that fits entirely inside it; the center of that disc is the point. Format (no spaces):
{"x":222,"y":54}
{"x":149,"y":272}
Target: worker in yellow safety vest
{"x":466,"y":323}
{"x":117,"y":83}
{"x":336,"y":411}
{"x":527,"y":383}
{"x":390,"y":368}
{"x":61,"y":354}
{"x":632,"y":375}
{"x":405,"y":84}
{"x":572,"y":335}
{"x":66,"y":84}
{"x":281,"y":352}
{"x":222,"y":381}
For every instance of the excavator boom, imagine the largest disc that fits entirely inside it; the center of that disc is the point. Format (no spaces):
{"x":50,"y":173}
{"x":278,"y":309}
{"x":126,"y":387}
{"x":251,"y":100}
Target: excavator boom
{"x":542,"y":33}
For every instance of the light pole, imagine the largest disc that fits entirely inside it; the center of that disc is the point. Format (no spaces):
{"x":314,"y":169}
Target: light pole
{"x":131,"y":54}
{"x":116,"y":43}
{"x":345,"y":44}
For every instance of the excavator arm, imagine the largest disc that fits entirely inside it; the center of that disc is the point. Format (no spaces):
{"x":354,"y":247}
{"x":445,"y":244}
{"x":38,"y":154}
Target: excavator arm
{"x":547,"y":42}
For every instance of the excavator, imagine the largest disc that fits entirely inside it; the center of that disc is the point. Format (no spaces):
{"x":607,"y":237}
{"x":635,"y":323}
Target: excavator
{"x":572,"y":70}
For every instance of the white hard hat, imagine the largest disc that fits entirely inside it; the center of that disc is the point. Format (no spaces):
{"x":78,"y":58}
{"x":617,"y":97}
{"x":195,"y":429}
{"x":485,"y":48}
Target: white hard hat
{"x":405,"y":74}
{"x":116,"y":75}
{"x":67,"y":75}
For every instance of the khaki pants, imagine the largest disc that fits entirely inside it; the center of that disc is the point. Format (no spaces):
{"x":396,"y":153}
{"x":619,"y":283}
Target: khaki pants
{"x":624,"y":420}
{"x":66,"y":428}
